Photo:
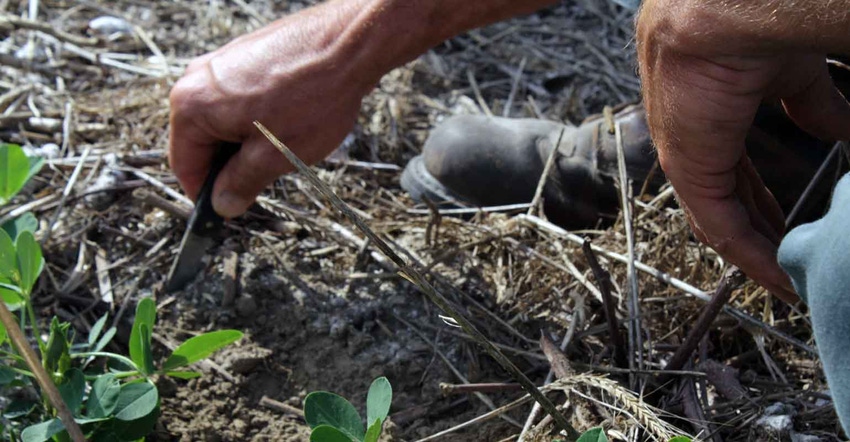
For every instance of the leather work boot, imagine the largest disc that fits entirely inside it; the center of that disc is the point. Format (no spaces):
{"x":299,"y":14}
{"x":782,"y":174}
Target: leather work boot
{"x":479,"y":161}
{"x":490,"y":161}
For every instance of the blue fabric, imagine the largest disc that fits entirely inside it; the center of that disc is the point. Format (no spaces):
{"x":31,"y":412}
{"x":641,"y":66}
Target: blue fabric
{"x":817,"y":257}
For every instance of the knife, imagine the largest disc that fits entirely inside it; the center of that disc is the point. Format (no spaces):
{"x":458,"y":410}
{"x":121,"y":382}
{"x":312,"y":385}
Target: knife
{"x":202,"y":229}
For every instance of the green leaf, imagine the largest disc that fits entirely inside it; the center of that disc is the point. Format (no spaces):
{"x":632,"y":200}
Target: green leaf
{"x":105,"y":339}
{"x":8,"y":258}
{"x":136,"y":401}
{"x":183,"y":374}
{"x":681,"y":439}
{"x":35,"y":165}
{"x":5,"y":284}
{"x":30,"y":261}
{"x":146,"y":367}
{"x":96,"y":329}
{"x":56,"y":356}
{"x":90,"y":420}
{"x":593,"y":435}
{"x":11,"y":298}
{"x":14,"y":171}
{"x":378,"y":400}
{"x":200,"y":347}
{"x":374,"y":431}
{"x":134,"y":430}
{"x":72,"y":388}
{"x":3,"y":334}
{"x":24,"y":223}
{"x":322,"y":407}
{"x":43,"y":431}
{"x":7,"y":375}
{"x":19,"y":408}
{"x":103,"y":397}
{"x":327,"y":433}
{"x":139,"y":347}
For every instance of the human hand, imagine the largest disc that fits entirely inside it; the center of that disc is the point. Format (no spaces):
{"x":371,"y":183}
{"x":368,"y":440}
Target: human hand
{"x":706,"y":65}
{"x":298,"y":76}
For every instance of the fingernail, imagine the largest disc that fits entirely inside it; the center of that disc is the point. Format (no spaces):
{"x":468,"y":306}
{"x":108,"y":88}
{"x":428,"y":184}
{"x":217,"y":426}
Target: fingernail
{"x":228,"y":204}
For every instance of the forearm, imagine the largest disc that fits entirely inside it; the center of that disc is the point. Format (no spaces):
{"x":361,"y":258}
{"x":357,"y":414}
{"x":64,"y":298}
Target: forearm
{"x":393,"y":32}
{"x":371,"y":37}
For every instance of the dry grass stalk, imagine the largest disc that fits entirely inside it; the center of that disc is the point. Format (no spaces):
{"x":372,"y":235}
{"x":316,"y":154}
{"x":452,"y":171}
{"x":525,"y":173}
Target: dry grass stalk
{"x":624,"y":400}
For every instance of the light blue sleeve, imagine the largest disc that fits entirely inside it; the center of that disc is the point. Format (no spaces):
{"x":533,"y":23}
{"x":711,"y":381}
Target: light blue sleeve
{"x":817,"y":257}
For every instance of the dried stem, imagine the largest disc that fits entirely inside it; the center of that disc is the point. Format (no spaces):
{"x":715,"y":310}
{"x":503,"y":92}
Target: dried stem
{"x":728,"y":283}
{"x":603,"y":279}
{"x":635,"y":334}
{"x":450,"y":389}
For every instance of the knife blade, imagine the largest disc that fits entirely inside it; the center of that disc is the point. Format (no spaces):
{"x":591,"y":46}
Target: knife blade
{"x":201,"y":230}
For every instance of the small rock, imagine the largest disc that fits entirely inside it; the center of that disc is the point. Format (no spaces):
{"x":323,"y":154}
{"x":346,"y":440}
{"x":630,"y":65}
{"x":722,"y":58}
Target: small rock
{"x":109,"y":177}
{"x":781,"y":424}
{"x":776,"y":423}
{"x":777,"y":409}
{"x":246,"y":306}
{"x":244,"y":360}
{"x":47,"y":151}
{"x":31,"y":52}
{"x":110,"y":27}
{"x":239,"y":425}
{"x":338,"y":328}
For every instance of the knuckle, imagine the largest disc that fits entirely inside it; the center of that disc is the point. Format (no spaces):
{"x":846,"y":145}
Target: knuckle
{"x":190,"y":91}
{"x":181,"y":95}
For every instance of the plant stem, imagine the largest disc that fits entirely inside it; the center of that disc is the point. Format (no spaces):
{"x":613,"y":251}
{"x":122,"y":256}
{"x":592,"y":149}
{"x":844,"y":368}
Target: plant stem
{"x":36,"y":331}
{"x":450,"y":389}
{"x":122,"y":359}
{"x":20,"y":342}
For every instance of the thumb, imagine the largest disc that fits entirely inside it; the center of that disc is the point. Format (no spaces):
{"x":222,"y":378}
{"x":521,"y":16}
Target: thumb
{"x":820,"y":109}
{"x":249,"y":171}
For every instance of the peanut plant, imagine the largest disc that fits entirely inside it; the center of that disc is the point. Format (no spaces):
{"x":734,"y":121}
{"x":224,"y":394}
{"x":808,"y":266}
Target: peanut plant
{"x":111,"y":397}
{"x":334,"y":419}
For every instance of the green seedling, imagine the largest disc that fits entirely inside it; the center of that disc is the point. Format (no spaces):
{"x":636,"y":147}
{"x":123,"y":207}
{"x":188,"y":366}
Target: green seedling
{"x":122,"y":404}
{"x":597,"y":434}
{"x":334,"y":419}
{"x":117,"y":401}
{"x":593,"y":435}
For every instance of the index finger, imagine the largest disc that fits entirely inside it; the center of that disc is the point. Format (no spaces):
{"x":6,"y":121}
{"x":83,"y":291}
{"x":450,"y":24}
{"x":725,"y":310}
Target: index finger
{"x":191,"y":148}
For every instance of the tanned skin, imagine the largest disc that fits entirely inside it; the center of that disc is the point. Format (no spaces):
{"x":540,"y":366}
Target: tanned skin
{"x":705,"y":66}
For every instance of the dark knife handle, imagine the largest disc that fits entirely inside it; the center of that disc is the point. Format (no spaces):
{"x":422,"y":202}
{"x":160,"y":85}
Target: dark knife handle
{"x":205,"y":221}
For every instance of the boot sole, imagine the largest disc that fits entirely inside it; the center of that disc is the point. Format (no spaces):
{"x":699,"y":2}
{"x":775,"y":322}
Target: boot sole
{"x":421,"y":185}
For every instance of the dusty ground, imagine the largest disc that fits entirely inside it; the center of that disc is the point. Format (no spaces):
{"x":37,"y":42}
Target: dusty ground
{"x":321,"y":312}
